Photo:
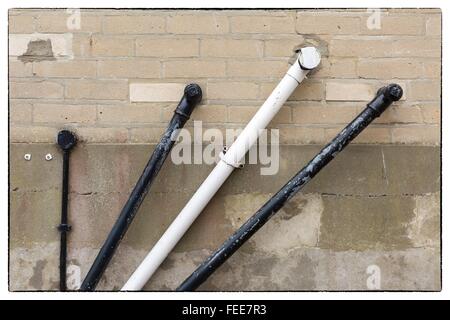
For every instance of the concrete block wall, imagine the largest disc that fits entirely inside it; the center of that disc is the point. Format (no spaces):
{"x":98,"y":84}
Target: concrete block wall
{"x":115,"y":80}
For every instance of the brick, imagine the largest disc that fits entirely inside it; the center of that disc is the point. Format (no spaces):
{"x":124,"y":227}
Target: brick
{"x":97,"y":89}
{"x":307,"y":90}
{"x":112,"y":46}
{"x":156,"y":92}
{"x":63,"y":113}
{"x":20,"y":23}
{"x":282,"y":47}
{"x":134,"y":24}
{"x":134,"y":68}
{"x":81,"y":45}
{"x":18,"y":69}
{"x":416,"y":135}
{"x":326,"y":23}
{"x":29,"y":134}
{"x":231,"y":48}
{"x":349,"y":91}
{"x":396,"y":25}
{"x":146,"y":135}
{"x":65,"y":69}
{"x":62,"y":22}
{"x":194,"y":69}
{"x":265,"y":69}
{"x":232,"y":90}
{"x":167,"y":48}
{"x":371,"y":134}
{"x":262,"y":24}
{"x":61,"y":44}
{"x":398,"y":114}
{"x":133,"y":113}
{"x":302,"y":135}
{"x":389,"y":69}
{"x":207,"y":113}
{"x":385,"y":48}
{"x":335,"y":68}
{"x":431,"y":113}
{"x":432,"y":69}
{"x":243,"y":114}
{"x":425,"y":90}
{"x":323,"y":114}
{"x":36,"y":89}
{"x":20,"y":112}
{"x":197,"y":24}
{"x":102,"y":135}
{"x":433,"y":25}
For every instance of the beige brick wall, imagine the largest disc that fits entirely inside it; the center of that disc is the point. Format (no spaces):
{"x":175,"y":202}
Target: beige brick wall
{"x":118,"y":77}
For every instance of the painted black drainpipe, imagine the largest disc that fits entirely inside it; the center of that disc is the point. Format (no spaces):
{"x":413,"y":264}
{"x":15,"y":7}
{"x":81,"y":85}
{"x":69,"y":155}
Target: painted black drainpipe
{"x":192,"y":96}
{"x":385,"y":96}
{"x":66,"y":141}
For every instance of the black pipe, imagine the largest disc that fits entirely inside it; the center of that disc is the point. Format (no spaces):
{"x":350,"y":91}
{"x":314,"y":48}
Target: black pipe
{"x":66,"y":141}
{"x":192,"y":96}
{"x":385,"y":96}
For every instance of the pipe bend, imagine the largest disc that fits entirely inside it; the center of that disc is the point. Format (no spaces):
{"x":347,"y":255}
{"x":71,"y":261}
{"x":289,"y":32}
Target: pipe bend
{"x":191,"y":97}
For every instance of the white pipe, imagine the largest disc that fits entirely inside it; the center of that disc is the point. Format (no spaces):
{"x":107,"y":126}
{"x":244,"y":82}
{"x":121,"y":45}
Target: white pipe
{"x":308,"y":59}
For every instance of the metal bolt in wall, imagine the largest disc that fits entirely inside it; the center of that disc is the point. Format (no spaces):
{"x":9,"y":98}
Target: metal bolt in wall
{"x":48,"y":157}
{"x":27,"y":156}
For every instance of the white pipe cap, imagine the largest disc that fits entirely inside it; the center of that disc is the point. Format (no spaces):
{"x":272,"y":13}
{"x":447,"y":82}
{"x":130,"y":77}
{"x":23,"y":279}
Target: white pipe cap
{"x":308,"y":58}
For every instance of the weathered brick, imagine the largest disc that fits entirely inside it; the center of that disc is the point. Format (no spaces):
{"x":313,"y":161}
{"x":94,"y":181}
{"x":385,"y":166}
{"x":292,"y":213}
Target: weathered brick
{"x":36,"y":89}
{"x":398,"y":114}
{"x":371,"y":134}
{"x":156,"y":92}
{"x":416,"y":135}
{"x":112,"y":46}
{"x":20,"y":23}
{"x":232,"y":90}
{"x":302,"y":135}
{"x":265,"y":69}
{"x":307,"y":90}
{"x":146,"y":135}
{"x":133,"y":68}
{"x":64,"y":113}
{"x":206,"y":113}
{"x":243,"y":114}
{"x":389,"y":69}
{"x":432,"y":69}
{"x":425,"y":90}
{"x":327,"y":23}
{"x":335,"y":68}
{"x":349,"y":91}
{"x":167,"y":48}
{"x":65,"y":69}
{"x":61,"y":44}
{"x":18,"y":69}
{"x":133,"y":113}
{"x":28,"y":134}
{"x":81,"y":45}
{"x":434,"y":25}
{"x":320,"y":114}
{"x":134,"y":24}
{"x":197,"y":24}
{"x":194,"y":69}
{"x":262,"y":24}
{"x":102,"y":135}
{"x":282,"y":47}
{"x":62,"y":22}
{"x":385,"y":48}
{"x":431,"y":113}
{"x":396,"y":25}
{"x":231,"y":48}
{"x":20,"y":112}
{"x":97,"y":89}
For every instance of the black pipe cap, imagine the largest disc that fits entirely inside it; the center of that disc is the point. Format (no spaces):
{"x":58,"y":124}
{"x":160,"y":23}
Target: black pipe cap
{"x":193,"y":93}
{"x":66,"y":140}
{"x":392,"y":92}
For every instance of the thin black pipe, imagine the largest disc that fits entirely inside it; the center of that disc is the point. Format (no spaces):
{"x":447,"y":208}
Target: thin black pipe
{"x":385,"y":96}
{"x":66,"y":141}
{"x":192,"y":96}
